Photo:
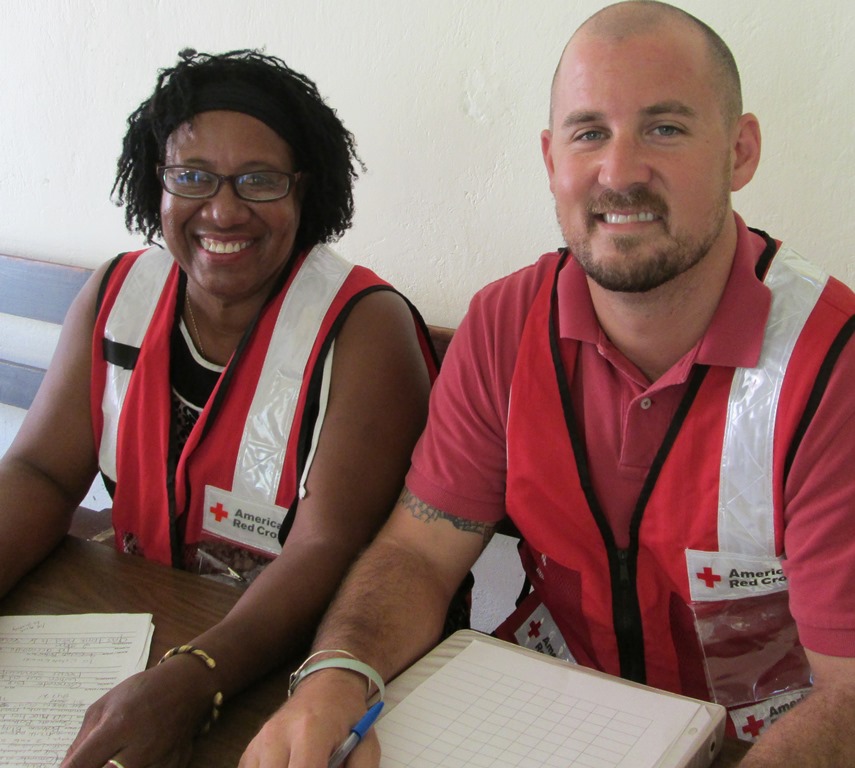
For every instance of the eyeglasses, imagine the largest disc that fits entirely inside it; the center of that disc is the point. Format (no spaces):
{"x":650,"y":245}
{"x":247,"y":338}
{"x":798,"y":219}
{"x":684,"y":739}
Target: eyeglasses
{"x":255,"y":186}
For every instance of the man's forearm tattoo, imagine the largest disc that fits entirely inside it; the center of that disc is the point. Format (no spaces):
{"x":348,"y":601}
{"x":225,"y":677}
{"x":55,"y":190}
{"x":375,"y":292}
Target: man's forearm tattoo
{"x":426,"y":513}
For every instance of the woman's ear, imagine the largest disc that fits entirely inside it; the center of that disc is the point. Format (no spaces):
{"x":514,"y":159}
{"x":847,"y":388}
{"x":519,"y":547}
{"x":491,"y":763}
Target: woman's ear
{"x":302,"y":185}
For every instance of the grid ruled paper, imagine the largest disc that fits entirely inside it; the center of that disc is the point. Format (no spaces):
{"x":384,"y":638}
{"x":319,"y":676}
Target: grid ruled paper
{"x":492,"y":706}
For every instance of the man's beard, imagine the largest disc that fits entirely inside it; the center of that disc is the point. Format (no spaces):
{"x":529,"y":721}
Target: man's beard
{"x":680,"y":253}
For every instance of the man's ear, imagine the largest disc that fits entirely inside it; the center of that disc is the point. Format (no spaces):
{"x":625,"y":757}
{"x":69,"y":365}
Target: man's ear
{"x":746,"y":151}
{"x":545,"y":146}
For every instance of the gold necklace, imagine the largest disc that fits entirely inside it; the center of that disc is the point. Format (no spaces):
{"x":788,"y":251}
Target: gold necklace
{"x":193,"y":323}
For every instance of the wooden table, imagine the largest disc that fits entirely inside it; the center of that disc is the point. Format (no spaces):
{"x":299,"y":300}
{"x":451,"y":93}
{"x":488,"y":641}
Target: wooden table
{"x":87,"y":577}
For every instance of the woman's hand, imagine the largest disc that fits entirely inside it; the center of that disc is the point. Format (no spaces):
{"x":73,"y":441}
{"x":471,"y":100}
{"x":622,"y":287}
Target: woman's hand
{"x":147,"y":721}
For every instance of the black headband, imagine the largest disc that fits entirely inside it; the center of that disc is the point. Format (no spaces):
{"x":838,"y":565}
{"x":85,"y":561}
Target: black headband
{"x":243,"y":96}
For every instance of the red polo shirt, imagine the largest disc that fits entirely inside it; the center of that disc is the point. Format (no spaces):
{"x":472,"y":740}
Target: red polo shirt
{"x":459,"y":464}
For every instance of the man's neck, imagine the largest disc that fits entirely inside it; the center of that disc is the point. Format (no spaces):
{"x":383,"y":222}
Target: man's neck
{"x":656,"y":328}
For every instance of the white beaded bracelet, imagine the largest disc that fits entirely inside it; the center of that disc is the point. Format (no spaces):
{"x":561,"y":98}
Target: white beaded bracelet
{"x":348,"y":661}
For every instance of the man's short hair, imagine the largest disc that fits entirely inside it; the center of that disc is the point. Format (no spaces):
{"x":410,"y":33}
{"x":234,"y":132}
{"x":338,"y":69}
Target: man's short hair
{"x":613,"y":22}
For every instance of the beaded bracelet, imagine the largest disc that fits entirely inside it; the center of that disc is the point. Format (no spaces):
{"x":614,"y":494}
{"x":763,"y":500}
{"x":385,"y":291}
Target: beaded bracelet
{"x":346,"y":661}
{"x":209,"y":662}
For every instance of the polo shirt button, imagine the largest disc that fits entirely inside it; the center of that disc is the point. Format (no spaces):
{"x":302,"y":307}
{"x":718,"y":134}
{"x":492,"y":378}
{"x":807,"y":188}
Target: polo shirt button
{"x":646,"y":403}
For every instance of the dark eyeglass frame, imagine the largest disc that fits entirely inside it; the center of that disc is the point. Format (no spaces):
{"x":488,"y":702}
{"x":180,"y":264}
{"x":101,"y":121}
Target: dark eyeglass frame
{"x":233,"y":179}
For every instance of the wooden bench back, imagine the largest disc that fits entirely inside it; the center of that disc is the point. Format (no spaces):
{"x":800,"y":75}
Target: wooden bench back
{"x":35,"y":290}
{"x":441,"y":338}
{"x":40,"y":290}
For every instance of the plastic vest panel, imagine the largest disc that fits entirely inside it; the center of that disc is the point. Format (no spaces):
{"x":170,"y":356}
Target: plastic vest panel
{"x":732,"y":445}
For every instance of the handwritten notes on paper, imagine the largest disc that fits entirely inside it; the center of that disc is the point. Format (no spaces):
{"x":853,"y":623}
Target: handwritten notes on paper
{"x":52,"y":668}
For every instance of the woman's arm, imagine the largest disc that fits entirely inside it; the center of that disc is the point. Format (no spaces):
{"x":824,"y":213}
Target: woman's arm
{"x":51,"y":463}
{"x":377,"y":408}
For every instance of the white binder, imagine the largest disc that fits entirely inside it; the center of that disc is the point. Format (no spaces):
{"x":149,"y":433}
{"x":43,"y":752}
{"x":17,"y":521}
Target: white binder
{"x":478,"y":701}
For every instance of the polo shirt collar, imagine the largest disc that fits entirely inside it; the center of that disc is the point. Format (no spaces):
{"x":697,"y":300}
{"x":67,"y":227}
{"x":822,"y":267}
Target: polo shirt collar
{"x":735,"y":335}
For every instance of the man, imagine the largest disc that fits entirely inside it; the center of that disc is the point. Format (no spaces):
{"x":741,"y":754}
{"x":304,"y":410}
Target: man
{"x":665,"y":412}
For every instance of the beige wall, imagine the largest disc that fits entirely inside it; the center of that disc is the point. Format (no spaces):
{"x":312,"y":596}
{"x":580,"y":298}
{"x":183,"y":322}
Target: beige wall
{"x":446,"y":98}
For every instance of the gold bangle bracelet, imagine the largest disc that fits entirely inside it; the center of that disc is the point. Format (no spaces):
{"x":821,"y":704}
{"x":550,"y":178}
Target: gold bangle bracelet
{"x":209,"y":662}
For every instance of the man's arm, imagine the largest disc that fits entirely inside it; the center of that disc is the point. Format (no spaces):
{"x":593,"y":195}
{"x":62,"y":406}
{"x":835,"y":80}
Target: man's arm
{"x":389,"y":611}
{"x":817,"y":732}
{"x":820,"y":500}
{"x":415,"y":567}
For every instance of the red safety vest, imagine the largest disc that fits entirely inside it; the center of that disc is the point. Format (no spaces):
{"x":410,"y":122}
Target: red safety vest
{"x":242,"y":463}
{"x":711,"y":507}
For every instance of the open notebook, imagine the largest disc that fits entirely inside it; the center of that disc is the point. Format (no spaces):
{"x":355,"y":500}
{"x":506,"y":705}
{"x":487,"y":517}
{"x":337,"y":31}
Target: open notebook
{"x":477,"y":701}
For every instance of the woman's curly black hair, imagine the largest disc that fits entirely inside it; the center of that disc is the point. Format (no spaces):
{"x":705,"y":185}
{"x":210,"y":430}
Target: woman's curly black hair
{"x":324,"y":150}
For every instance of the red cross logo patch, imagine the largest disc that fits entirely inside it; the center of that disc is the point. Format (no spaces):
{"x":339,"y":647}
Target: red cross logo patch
{"x":219,"y":512}
{"x":708,"y":577}
{"x":754,"y":726}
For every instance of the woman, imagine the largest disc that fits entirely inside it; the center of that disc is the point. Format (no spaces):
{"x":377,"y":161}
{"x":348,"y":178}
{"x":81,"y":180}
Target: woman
{"x":243,"y":392}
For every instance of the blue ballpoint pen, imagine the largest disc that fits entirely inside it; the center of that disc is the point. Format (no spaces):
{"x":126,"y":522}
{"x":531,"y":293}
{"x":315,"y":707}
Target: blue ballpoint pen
{"x":355,"y":736}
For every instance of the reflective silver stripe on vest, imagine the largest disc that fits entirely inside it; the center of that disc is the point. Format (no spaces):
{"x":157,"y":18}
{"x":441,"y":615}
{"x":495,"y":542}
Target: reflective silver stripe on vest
{"x":127,"y":324}
{"x":746,"y":519}
{"x":261,"y":456}
{"x":265,"y":436}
